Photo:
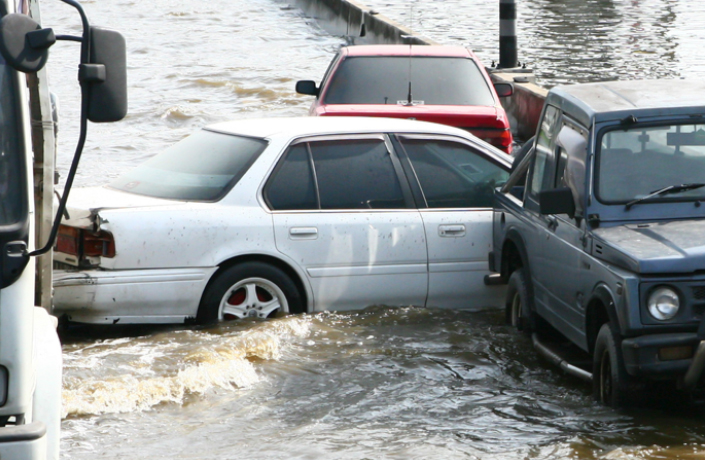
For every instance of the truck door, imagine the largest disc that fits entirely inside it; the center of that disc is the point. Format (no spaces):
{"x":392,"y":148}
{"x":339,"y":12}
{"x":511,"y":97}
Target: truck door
{"x":14,"y":194}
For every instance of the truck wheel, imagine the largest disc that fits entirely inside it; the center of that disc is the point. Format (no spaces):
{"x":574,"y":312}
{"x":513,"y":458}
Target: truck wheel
{"x":609,"y":377}
{"x":517,"y":309}
{"x":249,"y":290}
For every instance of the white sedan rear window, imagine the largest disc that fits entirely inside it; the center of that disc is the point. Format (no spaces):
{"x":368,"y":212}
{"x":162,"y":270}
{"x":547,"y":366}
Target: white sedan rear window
{"x":201,"y":167}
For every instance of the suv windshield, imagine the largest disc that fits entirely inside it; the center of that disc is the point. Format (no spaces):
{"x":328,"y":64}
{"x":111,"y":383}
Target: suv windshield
{"x":385,"y":80}
{"x":12,"y":166}
{"x":202,"y":167}
{"x":639,"y":161}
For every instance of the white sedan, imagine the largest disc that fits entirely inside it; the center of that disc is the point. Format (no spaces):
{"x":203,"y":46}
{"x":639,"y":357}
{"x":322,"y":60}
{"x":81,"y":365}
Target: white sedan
{"x":256,"y":217}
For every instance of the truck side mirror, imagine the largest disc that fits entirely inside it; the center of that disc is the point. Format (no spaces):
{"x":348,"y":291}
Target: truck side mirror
{"x":504,"y":89}
{"x":106,"y":75}
{"x":557,"y":201}
{"x":23,"y":42}
{"x":307,"y":87}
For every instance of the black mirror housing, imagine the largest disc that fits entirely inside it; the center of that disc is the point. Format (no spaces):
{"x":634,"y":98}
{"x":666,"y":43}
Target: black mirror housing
{"x":23,"y":43}
{"x":504,"y":89}
{"x":106,"y":76}
{"x":307,"y":87}
{"x":557,"y":201}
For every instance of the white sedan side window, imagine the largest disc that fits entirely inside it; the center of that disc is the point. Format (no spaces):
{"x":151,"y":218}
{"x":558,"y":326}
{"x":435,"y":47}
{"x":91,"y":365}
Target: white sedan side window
{"x":336,"y":174}
{"x":453,"y":175}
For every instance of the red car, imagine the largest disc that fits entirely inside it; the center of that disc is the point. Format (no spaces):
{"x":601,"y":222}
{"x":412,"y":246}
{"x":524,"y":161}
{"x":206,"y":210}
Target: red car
{"x":441,"y":84}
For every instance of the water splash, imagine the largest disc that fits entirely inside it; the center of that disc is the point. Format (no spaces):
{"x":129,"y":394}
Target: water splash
{"x":131,"y":375}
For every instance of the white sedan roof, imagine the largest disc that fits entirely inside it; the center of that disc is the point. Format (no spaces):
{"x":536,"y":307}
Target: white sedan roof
{"x":309,"y":126}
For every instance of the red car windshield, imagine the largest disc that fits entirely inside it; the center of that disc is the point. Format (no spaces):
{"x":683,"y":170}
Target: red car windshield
{"x":385,"y":80}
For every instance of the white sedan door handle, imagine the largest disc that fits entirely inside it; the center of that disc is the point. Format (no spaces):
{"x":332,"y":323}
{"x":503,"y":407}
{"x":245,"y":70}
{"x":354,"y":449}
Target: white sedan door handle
{"x":303,"y":233}
{"x":451,"y":231}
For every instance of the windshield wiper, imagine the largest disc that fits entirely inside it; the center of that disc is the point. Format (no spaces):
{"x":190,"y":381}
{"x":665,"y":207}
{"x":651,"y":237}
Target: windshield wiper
{"x":665,"y":191}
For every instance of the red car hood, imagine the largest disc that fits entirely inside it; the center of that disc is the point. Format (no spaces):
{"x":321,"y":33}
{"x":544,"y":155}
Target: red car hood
{"x":452,"y":115}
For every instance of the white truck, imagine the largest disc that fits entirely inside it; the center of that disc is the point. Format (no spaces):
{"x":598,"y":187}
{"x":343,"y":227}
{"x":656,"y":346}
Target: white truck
{"x":30,"y":352}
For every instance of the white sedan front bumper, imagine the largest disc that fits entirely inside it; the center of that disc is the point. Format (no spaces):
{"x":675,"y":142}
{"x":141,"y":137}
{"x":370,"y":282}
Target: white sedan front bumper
{"x":158,"y":296}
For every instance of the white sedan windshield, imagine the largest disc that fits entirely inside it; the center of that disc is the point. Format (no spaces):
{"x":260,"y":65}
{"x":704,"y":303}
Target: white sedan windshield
{"x":202,"y":167}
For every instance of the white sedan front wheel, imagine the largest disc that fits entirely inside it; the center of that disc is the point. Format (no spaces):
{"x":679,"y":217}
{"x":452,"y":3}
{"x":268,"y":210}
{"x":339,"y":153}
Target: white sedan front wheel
{"x":249,"y":290}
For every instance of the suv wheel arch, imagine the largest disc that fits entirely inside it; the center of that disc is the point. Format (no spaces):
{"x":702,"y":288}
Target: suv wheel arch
{"x":600,"y":310}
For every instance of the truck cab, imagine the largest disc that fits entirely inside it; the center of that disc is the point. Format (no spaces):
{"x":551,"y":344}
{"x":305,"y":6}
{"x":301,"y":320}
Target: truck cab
{"x":600,"y":232}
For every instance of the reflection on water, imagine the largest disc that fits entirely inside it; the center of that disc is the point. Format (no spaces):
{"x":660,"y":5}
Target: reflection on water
{"x":569,"y":41}
{"x":189,"y":64}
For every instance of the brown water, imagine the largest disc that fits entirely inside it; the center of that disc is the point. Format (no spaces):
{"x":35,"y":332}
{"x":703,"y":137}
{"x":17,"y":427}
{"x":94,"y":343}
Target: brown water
{"x":378,"y":384}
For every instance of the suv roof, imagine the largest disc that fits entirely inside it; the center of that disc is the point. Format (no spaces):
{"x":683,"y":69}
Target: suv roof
{"x":618,"y":99}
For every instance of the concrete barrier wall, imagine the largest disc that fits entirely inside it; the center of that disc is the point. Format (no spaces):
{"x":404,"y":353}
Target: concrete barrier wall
{"x":347,"y":17}
{"x":362,"y":25}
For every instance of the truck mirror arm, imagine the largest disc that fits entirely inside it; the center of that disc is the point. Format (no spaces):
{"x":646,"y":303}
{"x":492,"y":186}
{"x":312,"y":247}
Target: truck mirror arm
{"x":84,"y":83}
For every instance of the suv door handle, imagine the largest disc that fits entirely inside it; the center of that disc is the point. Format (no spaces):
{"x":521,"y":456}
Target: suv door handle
{"x":552,"y":222}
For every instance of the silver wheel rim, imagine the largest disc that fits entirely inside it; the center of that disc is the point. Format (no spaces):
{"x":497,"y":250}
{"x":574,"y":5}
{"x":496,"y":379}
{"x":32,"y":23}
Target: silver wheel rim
{"x":252,"y":298}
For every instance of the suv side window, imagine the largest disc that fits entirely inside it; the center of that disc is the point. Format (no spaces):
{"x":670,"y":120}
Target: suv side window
{"x":453,"y":174}
{"x":543,"y":172}
{"x":356,"y":174}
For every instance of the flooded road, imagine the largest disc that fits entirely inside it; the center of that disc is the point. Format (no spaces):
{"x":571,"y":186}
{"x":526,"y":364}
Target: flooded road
{"x":378,"y":384}
{"x":571,"y":41}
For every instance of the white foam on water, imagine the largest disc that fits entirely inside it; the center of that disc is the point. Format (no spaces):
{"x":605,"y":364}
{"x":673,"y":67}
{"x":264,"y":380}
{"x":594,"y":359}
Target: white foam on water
{"x":135,"y":375}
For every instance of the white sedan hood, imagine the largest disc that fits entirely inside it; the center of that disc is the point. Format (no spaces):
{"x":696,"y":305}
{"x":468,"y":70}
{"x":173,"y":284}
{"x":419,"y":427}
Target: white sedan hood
{"x":85,"y":203}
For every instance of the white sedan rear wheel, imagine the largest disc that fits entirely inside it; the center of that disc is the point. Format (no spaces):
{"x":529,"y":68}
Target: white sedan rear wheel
{"x":250,"y":289}
{"x":252,"y":297}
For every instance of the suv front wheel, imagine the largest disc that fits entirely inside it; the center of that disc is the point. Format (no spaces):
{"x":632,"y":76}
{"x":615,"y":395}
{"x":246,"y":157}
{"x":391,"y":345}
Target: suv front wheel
{"x":610,"y":381}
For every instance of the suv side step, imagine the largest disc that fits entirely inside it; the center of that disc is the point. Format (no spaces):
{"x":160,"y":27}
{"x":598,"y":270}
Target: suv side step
{"x":560,"y":362}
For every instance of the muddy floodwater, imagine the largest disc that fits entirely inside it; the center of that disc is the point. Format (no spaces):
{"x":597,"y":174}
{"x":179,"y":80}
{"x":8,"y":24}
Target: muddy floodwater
{"x":384,"y":383}
{"x":379,"y":384}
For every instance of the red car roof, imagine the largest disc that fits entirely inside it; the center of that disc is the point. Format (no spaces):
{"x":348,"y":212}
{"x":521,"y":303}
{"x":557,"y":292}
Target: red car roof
{"x":406,"y":50}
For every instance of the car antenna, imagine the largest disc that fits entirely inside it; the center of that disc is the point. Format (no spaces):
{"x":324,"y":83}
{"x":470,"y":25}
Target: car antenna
{"x":409,"y":97}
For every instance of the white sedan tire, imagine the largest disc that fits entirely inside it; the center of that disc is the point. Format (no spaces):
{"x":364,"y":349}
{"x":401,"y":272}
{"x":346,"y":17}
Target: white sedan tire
{"x":249,"y":290}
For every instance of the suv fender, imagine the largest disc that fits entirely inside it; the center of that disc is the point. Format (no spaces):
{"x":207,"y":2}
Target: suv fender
{"x":512,"y":248}
{"x":600,"y":309}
